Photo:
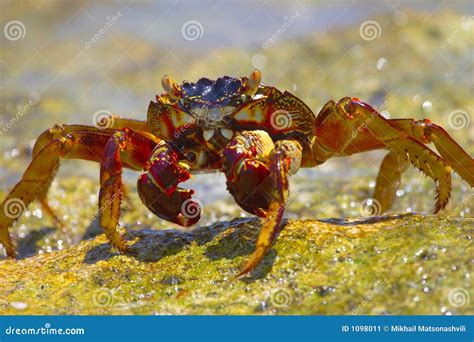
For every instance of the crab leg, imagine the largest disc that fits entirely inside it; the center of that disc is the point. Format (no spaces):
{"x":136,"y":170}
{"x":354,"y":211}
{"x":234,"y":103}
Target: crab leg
{"x":393,"y":166}
{"x":57,"y":131}
{"x":352,"y":119}
{"x":40,"y":173}
{"x":389,"y":178}
{"x":448,"y":148}
{"x":124,"y":146}
{"x":36,"y":180}
{"x":418,"y":154}
{"x":113,"y":124}
{"x":257,"y":174}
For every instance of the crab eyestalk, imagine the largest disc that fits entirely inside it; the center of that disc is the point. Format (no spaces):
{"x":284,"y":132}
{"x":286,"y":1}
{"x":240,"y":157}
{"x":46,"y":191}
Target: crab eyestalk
{"x":171,"y":87}
{"x":253,"y":82}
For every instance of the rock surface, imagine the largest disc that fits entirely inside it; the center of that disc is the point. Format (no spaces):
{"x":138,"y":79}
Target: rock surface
{"x":406,"y":264}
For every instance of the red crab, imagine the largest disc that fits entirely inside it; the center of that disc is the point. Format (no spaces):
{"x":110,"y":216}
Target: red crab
{"x":256,"y":134}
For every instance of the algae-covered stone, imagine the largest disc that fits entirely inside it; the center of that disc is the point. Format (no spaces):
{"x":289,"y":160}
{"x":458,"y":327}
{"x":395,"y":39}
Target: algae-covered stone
{"x":386,"y":265}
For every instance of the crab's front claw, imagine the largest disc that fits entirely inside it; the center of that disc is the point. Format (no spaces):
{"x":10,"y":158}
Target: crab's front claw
{"x":159,"y":191}
{"x":257,"y":172}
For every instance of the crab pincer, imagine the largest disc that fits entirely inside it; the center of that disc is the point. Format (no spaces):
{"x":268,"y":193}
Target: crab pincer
{"x":159,"y":191}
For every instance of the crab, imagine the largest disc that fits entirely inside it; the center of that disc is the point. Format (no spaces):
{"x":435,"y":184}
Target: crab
{"x":257,"y":135}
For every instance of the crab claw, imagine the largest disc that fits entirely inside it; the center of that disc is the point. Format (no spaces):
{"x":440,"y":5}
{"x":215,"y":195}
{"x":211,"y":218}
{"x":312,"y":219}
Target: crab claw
{"x":272,"y":224}
{"x":171,"y":87}
{"x":159,"y":191}
{"x":253,"y":82}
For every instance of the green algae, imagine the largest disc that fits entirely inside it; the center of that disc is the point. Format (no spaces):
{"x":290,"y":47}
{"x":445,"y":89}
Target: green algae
{"x":392,"y":264}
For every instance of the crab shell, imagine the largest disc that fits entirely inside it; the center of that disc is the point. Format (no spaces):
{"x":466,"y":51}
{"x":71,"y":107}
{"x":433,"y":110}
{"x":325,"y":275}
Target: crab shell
{"x":206,"y":115}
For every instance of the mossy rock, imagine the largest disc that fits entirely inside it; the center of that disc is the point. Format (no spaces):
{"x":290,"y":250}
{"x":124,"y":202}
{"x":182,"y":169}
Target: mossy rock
{"x":407,"y":264}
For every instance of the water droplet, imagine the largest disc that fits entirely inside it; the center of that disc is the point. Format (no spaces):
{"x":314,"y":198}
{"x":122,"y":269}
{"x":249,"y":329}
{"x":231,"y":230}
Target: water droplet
{"x":15,"y":153}
{"x":381,"y":63}
{"x":19,"y":305}
{"x":400,"y":193}
{"x":416,"y":299}
{"x":372,"y":184}
{"x":427,"y":106}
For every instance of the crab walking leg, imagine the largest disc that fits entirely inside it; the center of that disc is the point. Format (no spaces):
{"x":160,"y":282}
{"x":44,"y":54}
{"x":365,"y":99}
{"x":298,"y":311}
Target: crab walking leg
{"x":56,"y":132}
{"x":428,"y":132}
{"x":124,"y":146}
{"x":59,"y":130}
{"x":389,"y":178}
{"x":393,"y":167}
{"x":257,"y":174}
{"x":115,"y":123}
{"x":39,"y":174}
{"x":402,"y":144}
